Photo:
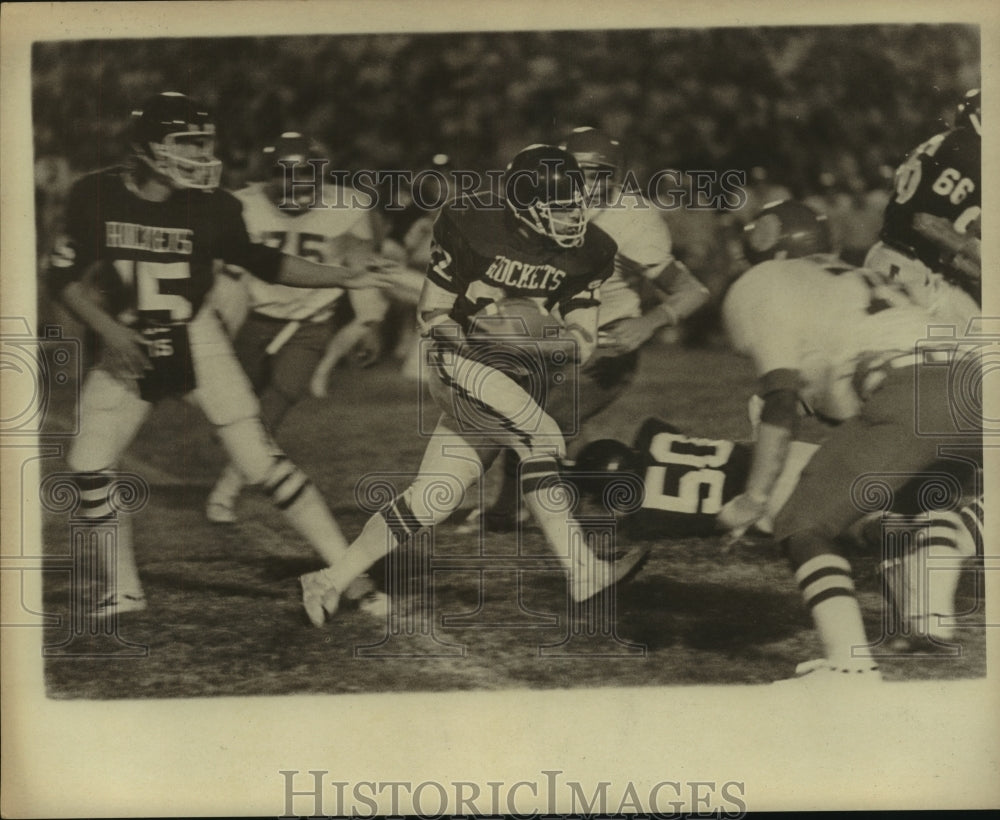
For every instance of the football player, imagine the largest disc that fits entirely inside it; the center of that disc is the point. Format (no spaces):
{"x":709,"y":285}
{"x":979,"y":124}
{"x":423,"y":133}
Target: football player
{"x":135,"y":266}
{"x":846,"y":344}
{"x":644,"y":266}
{"x":535,"y":243}
{"x":928,"y":241}
{"x":287,"y":332}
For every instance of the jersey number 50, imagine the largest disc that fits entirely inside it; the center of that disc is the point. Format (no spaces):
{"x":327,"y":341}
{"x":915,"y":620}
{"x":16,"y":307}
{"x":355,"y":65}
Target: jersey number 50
{"x":687,"y":477}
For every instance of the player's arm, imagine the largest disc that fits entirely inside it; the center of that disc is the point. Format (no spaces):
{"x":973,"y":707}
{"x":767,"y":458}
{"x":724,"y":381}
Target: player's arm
{"x":71,"y":278}
{"x":779,"y":390}
{"x":123,"y":349}
{"x":650,"y":255}
{"x":961,"y":251}
{"x":580,"y":310}
{"x":441,"y":287}
{"x":756,"y":325}
{"x":271,"y":265}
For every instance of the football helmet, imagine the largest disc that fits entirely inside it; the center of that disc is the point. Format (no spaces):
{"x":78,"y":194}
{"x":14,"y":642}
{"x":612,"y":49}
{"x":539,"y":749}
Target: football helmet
{"x":294,"y":183}
{"x":175,"y":137}
{"x":543,"y":188}
{"x":600,"y":461}
{"x":969,"y":112}
{"x":593,"y":148}
{"x":786,"y":229}
{"x":600,"y":157}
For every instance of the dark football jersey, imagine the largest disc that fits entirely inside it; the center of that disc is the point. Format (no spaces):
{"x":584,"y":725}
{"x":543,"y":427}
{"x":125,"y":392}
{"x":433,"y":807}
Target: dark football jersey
{"x":480,"y":253}
{"x":686,"y":481}
{"x":942,"y":178}
{"x":157,"y":255}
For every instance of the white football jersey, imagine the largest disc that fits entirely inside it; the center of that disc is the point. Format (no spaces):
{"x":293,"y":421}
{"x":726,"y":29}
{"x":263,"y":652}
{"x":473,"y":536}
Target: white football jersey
{"x":826,"y":320}
{"x":325,"y":235}
{"x":644,"y":250}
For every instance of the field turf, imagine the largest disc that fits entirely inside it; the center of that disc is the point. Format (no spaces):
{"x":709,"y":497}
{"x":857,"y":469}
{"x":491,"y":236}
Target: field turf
{"x":225,"y":617}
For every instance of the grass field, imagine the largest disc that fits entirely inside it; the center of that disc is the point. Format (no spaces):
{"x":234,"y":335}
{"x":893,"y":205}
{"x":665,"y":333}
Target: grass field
{"x":225,"y":615}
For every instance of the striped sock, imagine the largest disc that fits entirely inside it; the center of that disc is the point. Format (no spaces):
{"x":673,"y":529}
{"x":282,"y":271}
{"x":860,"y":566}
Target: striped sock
{"x":828,"y":592}
{"x":294,"y":494}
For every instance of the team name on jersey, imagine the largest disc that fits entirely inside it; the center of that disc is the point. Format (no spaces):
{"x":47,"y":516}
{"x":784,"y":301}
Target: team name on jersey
{"x":147,"y":238}
{"x":514,"y":274}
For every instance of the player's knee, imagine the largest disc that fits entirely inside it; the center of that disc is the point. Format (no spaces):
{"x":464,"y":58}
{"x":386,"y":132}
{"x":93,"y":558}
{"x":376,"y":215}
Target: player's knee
{"x":546,"y":441}
{"x":431,"y":499}
{"x":284,"y":483}
{"x":803,"y":546}
{"x":249,"y":448}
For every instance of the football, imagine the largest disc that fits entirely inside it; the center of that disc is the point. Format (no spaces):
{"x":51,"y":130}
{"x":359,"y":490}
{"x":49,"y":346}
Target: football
{"x":516,"y":317}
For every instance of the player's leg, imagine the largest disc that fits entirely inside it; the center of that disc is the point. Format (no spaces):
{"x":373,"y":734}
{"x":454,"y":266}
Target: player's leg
{"x":491,"y":403}
{"x":880,"y":441}
{"x":224,"y":394}
{"x":250,"y":346}
{"x":449,"y":467}
{"x":572,"y":404}
{"x":283,"y":379}
{"x":111,"y":414}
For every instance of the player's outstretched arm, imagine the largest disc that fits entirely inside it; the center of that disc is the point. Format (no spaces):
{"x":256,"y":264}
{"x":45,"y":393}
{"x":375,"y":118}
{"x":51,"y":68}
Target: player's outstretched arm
{"x":779,"y":420}
{"x":377,"y":272}
{"x":680,"y":295}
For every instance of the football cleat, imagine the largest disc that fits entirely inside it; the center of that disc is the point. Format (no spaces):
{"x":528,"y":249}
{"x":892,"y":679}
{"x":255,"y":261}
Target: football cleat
{"x":594,"y":575}
{"x":320,"y":598}
{"x":119,"y":602}
{"x":823,"y":672}
{"x":361,"y":592}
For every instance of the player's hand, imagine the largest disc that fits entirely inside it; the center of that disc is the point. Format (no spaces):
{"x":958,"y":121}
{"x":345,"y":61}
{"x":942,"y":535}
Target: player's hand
{"x":633,"y":333}
{"x":739,"y":514}
{"x":368,"y":349}
{"x":124,"y":353}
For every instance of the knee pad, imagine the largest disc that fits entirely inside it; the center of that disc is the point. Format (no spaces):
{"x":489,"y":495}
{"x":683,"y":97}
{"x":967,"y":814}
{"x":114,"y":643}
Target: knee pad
{"x":250,"y":448}
{"x":803,"y":546}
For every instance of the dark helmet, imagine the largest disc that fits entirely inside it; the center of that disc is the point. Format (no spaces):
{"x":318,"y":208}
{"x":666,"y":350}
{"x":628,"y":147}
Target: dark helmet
{"x":786,"y":229}
{"x":543,"y":189}
{"x":592,"y":148}
{"x":969,"y":112}
{"x":175,"y":136}
{"x":295,"y":183}
{"x":599,"y":461}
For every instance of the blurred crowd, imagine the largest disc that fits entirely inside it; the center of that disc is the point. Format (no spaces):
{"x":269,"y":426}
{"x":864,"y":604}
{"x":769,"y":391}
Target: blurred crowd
{"x":823,"y":114}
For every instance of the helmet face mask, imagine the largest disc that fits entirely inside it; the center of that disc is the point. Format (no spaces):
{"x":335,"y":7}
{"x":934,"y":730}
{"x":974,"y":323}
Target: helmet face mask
{"x":175,"y":137}
{"x":543,"y":190}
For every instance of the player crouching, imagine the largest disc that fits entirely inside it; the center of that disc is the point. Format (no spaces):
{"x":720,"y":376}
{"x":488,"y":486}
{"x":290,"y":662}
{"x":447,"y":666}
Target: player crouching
{"x":841,"y":341}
